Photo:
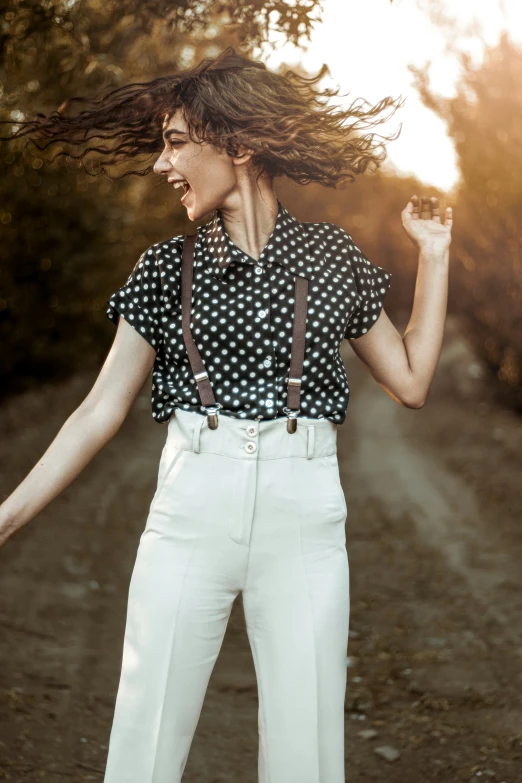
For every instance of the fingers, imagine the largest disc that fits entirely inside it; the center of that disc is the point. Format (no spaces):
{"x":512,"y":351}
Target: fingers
{"x":435,"y":210}
{"x":428,"y":209}
{"x":425,"y":208}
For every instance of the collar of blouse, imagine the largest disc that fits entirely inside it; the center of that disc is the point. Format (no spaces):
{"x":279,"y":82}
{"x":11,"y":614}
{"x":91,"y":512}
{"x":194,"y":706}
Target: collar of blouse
{"x":299,"y":247}
{"x":288,"y":246}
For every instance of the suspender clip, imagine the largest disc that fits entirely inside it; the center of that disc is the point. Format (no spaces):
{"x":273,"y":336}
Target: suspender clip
{"x":212,"y":415}
{"x":291,"y":421}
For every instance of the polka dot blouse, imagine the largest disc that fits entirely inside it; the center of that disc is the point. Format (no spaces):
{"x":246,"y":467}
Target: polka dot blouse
{"x":242,"y":313}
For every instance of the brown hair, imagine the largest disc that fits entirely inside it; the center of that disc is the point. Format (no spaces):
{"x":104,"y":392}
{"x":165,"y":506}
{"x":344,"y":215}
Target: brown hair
{"x":227,"y":101}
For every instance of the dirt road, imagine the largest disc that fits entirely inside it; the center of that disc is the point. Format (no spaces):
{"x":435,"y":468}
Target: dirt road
{"x":435,"y":544}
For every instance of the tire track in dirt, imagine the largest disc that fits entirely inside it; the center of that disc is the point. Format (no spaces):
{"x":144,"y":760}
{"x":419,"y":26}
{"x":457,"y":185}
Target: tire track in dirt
{"x":435,"y":640}
{"x":444,"y":507}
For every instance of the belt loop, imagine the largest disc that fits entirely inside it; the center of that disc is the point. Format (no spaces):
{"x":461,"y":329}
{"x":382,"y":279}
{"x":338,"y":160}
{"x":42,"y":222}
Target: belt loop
{"x":310,"y":442}
{"x":196,"y":432}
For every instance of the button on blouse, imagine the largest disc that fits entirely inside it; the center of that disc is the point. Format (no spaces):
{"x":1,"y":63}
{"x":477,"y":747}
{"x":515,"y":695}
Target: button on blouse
{"x":242,"y":316}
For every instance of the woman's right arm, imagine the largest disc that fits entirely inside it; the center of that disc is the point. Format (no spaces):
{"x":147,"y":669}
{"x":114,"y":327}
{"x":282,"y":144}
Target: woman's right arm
{"x":93,"y":424}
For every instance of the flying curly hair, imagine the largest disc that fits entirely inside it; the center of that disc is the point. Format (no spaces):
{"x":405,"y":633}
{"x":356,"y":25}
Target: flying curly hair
{"x":228,"y":101}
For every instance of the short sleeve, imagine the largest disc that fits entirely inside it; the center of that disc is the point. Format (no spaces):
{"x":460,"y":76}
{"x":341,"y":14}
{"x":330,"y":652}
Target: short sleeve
{"x":139,"y":300}
{"x":372,"y":283}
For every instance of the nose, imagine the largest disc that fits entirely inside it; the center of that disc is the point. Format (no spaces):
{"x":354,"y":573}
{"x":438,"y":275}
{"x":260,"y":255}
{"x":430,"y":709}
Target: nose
{"x":162,"y":165}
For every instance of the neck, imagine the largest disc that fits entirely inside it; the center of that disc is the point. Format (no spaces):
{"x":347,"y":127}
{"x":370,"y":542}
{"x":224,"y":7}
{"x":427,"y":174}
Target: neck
{"x":249,"y":216}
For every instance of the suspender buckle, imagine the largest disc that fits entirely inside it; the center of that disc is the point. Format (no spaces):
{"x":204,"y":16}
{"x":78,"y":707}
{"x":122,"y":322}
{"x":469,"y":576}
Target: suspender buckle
{"x":291,"y":421}
{"x":212,"y":415}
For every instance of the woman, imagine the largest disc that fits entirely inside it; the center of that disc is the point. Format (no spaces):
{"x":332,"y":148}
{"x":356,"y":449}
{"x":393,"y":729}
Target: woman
{"x":241,"y":324}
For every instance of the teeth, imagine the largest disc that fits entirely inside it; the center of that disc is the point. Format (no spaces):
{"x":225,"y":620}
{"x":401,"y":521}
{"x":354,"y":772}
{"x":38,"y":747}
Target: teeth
{"x":180,"y":183}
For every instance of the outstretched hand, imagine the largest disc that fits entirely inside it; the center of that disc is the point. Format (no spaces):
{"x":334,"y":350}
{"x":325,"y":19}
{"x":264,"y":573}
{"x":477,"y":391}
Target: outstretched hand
{"x":422,"y":224}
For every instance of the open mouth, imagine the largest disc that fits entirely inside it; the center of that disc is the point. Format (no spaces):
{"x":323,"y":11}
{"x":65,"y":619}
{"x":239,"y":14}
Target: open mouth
{"x":182,"y":183}
{"x":186,"y":188}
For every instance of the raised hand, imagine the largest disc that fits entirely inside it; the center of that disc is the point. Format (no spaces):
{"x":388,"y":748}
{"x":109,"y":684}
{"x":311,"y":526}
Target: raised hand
{"x":421,"y":222}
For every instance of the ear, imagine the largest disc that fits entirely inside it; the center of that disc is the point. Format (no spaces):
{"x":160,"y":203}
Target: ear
{"x":243,"y":156}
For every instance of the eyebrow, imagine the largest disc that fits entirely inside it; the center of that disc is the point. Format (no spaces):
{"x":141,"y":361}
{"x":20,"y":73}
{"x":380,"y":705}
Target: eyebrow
{"x":173,"y":132}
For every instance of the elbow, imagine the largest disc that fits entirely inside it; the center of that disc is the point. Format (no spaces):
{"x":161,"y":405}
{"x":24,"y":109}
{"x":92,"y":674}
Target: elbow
{"x":415,"y":404}
{"x":414,"y":400}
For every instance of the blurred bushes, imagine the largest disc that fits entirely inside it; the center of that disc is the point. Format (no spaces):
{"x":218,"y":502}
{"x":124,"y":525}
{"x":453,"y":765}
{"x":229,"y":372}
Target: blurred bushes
{"x":62,"y":238}
{"x":486,"y":275}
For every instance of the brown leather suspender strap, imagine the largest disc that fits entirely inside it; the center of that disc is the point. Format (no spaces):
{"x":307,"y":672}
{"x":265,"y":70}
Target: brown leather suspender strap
{"x":298,"y":351}
{"x":198,"y":368}
{"x":206,"y":394}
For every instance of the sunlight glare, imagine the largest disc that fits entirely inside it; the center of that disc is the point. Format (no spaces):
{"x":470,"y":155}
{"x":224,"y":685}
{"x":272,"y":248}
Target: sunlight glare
{"x":368,"y":47}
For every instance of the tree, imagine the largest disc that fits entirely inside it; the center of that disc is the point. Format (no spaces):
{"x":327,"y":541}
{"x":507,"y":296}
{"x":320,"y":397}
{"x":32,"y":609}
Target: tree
{"x":69,"y":239}
{"x":483,"y":120}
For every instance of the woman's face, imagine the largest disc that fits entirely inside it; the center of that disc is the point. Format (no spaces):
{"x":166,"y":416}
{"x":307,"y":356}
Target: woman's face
{"x":210,"y":173}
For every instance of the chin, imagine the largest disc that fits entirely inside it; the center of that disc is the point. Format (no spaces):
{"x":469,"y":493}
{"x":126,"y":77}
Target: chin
{"x":195,"y":214}
{"x":190,"y":213}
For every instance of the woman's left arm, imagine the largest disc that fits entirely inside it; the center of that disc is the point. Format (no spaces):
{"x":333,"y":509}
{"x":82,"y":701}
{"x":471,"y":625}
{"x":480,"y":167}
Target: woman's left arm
{"x":405,"y":366}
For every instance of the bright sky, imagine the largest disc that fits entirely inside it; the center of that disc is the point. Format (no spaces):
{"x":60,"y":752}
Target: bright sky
{"x":368,"y":45}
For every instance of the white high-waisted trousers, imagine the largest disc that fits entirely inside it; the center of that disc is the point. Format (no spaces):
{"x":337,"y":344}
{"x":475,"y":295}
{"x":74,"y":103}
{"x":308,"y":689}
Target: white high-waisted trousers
{"x":247,"y":508}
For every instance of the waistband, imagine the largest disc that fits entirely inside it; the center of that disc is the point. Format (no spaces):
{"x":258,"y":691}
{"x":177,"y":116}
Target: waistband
{"x":251,"y":439}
